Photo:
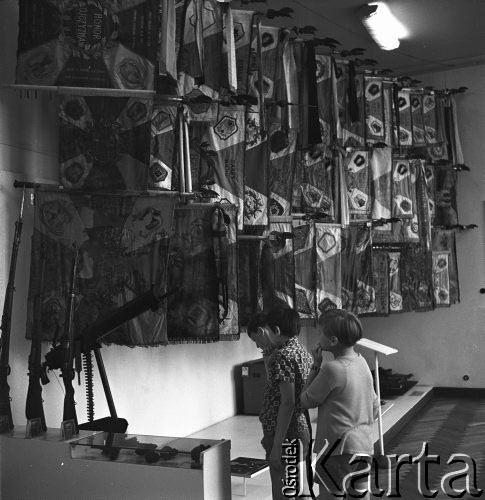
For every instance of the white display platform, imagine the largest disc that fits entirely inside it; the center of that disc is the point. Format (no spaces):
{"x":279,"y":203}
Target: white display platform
{"x":43,"y":468}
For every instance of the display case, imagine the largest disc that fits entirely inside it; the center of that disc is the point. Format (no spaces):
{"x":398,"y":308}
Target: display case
{"x":109,"y":466}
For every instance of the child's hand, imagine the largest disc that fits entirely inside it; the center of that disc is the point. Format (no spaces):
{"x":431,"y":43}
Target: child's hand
{"x":317,"y":355}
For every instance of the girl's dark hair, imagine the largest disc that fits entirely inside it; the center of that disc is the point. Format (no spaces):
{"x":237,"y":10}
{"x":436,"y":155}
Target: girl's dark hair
{"x":259,"y":319}
{"x":286,"y":319}
{"x":341,"y":324}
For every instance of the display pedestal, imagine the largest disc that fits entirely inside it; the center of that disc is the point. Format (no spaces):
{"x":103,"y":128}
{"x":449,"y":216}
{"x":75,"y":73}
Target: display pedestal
{"x":48,"y":467}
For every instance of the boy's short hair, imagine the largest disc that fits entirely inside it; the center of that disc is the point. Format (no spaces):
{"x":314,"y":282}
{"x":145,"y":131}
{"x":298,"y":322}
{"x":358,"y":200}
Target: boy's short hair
{"x":286,"y":319}
{"x":342,"y":324}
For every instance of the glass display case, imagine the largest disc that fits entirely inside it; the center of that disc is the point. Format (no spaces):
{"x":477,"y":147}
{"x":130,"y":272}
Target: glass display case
{"x":185,"y":453}
{"x":114,"y":467}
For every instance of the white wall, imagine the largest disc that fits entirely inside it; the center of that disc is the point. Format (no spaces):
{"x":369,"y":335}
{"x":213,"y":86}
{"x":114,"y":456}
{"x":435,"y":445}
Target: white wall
{"x":173,"y":390}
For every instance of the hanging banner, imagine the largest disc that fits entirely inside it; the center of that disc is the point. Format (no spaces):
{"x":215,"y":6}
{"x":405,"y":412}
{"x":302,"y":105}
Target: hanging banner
{"x":163,"y":155}
{"x":375,"y":130}
{"x":222,"y":151}
{"x":256,"y":173}
{"x":441,"y":279}
{"x":318,"y":178}
{"x":381,"y":180}
{"x":395,"y":290}
{"x":350,"y":99}
{"x":200,"y":58}
{"x":380,"y":270}
{"x":416,"y":278}
{"x":243,"y":25}
{"x":444,"y":240}
{"x":250,"y":295}
{"x":430,"y":119}
{"x":326,"y":82}
{"x":405,"y":122}
{"x":445,"y":192}
{"x":358,"y":292}
{"x":356,"y":168}
{"x":278,"y":268}
{"x":88,"y":43}
{"x":328,"y":244}
{"x":417,"y":117}
{"x":305,"y":269}
{"x":104,"y":142}
{"x":122,"y":247}
{"x":282,"y":145}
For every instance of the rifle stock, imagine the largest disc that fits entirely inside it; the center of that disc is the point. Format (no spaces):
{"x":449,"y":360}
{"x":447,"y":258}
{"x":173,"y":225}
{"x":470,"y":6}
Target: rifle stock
{"x":33,"y":404}
{"x":5,"y":407}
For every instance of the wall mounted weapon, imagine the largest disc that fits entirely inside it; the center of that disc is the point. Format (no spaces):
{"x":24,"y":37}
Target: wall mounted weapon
{"x":5,"y":408}
{"x":33,"y":405}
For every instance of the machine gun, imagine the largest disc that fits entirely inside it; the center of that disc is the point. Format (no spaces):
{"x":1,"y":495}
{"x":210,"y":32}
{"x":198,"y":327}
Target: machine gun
{"x":89,"y":340}
{"x":5,"y":408}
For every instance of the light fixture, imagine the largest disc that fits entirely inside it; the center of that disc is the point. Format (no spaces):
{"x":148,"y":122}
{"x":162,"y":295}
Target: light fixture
{"x":382,"y":26}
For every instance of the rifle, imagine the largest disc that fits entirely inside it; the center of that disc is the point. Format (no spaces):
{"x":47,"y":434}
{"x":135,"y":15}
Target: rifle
{"x":5,"y":409}
{"x":33,"y":405}
{"x":67,"y":368}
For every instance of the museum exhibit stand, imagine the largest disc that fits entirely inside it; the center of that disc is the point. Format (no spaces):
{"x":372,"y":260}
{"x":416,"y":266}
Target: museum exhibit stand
{"x":102,"y":465}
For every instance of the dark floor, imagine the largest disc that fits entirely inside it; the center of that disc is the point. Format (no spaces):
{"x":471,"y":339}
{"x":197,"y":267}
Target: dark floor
{"x":443,"y":428}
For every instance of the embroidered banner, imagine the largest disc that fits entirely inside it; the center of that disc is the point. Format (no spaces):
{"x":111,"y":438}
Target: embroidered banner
{"x":305,"y":269}
{"x":381,"y":167}
{"x":122,"y":245}
{"x":441,"y":279}
{"x":243,"y":25}
{"x":429,"y":119}
{"x":163,"y":157}
{"x":405,"y":122}
{"x":317,"y":183}
{"x":350,"y":104}
{"x":256,"y":173}
{"x":326,"y":82}
{"x":88,"y":43}
{"x":358,"y":293}
{"x":387,"y":91}
{"x":444,"y":240}
{"x":226,"y":256}
{"x":195,"y":274}
{"x":250,"y":298}
{"x":222,"y":150}
{"x":419,"y":138}
{"x":328,"y":243}
{"x":283,"y":263}
{"x":282,"y":145}
{"x":380,"y":269}
{"x":416,"y":278}
{"x":269,"y":51}
{"x":356,"y":168}
{"x":104,"y":142}
{"x":375,"y":130}
{"x":445,"y":189}
{"x":200,"y":58}
{"x":395,"y":290}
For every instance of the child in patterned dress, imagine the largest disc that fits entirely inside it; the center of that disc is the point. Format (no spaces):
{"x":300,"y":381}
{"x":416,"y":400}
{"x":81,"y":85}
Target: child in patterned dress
{"x":287,"y":367}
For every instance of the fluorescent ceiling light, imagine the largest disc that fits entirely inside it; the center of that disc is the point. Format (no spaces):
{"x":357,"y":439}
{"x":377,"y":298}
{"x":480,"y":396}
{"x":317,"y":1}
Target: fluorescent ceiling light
{"x":382,"y":26}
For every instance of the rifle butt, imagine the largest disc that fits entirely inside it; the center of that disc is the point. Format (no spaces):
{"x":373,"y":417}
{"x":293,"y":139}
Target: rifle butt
{"x":5,"y":407}
{"x":33,"y":406}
